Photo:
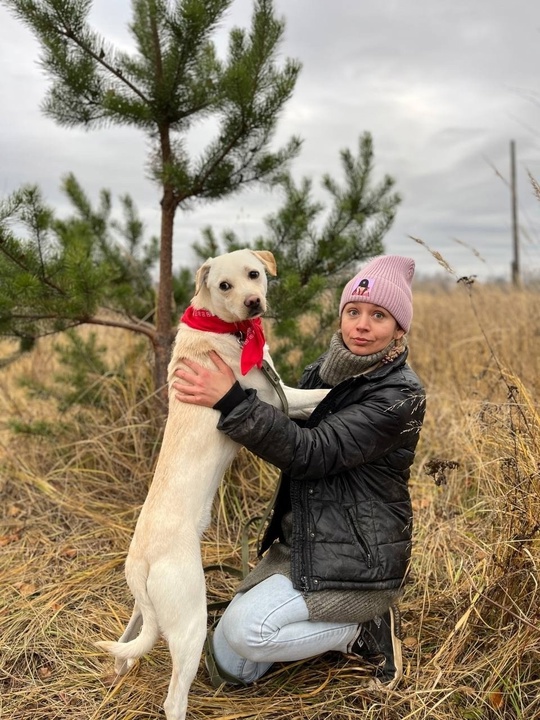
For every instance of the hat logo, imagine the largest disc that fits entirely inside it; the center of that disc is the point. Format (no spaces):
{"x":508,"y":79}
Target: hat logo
{"x":365,"y":285}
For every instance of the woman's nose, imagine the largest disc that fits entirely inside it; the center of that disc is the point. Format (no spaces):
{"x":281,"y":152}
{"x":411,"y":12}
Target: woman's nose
{"x":362,"y":321}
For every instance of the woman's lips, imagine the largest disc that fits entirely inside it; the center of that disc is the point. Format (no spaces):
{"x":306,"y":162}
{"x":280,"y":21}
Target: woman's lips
{"x":361,"y":341}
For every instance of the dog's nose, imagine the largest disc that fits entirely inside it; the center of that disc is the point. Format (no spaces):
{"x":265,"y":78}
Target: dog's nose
{"x":253,"y":302}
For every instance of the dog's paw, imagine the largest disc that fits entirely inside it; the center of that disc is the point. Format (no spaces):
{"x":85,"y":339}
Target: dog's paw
{"x":121,"y":667}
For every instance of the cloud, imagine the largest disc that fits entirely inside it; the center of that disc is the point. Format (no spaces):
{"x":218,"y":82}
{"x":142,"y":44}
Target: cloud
{"x":442,"y":87}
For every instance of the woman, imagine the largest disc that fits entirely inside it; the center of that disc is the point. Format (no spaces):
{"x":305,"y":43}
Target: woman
{"x":339,"y":541}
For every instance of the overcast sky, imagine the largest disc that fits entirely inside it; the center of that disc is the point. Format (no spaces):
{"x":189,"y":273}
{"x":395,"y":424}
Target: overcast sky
{"x":443,"y":86}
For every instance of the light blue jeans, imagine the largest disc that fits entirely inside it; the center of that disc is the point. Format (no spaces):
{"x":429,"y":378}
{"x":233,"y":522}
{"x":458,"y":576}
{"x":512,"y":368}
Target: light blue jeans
{"x":268,"y":624}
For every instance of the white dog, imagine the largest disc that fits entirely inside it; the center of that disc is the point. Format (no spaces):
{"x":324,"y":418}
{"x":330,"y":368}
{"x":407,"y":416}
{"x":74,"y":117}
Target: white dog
{"x":164,"y":568}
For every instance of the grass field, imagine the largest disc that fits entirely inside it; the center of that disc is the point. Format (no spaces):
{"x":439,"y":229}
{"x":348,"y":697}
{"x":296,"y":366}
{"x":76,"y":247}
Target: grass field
{"x":72,"y":482}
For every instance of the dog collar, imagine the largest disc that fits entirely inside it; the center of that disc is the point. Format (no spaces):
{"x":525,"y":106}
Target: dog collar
{"x":248,"y":331}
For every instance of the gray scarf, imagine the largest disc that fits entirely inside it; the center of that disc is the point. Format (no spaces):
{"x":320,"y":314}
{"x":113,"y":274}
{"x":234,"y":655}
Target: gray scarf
{"x":340,"y":363}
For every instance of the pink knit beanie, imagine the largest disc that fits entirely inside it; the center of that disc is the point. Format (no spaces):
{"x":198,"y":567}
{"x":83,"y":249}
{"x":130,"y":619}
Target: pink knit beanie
{"x":385,"y":281}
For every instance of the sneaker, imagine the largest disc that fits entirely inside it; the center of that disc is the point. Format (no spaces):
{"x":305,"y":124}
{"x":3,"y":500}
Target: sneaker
{"x":379,"y":644}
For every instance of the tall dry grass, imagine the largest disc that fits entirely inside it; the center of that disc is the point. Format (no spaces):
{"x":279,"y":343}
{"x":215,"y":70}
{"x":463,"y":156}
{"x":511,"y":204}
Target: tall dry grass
{"x":471,"y":615}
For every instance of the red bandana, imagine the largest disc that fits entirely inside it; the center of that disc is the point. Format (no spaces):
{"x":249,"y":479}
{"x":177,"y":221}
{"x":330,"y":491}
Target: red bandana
{"x":252,"y":351}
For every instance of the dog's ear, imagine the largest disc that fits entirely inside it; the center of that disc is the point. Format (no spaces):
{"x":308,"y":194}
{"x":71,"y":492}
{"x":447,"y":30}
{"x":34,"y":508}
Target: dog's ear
{"x":201,"y":275}
{"x":268,"y":260}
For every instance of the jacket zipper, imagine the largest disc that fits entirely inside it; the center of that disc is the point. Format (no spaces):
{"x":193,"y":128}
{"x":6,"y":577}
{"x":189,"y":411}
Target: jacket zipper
{"x":303,"y":572}
{"x":359,"y":538}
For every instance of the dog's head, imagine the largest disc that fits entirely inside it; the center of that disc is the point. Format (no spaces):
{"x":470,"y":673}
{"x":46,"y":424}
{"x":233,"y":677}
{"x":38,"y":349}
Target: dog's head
{"x":233,"y":286}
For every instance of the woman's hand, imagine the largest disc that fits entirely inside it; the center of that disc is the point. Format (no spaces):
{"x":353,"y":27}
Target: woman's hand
{"x":201,"y":385}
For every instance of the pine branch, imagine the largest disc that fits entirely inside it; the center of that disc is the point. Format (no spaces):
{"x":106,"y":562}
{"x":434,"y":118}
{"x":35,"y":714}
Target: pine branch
{"x":138,"y":326}
{"x":100,"y":59}
{"x":18,"y":259}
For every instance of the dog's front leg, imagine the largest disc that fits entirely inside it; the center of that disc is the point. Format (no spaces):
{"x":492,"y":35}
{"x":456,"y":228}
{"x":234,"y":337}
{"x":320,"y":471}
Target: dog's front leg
{"x":303,"y":402}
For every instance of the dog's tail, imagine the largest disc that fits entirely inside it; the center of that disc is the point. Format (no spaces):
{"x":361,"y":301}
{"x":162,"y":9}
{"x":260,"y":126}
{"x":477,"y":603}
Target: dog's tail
{"x":143,"y":612}
{"x":134,"y":649}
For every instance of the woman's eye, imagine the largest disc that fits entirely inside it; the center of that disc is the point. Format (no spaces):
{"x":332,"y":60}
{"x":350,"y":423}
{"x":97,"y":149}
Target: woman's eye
{"x":225,"y":286}
{"x":254,"y":274}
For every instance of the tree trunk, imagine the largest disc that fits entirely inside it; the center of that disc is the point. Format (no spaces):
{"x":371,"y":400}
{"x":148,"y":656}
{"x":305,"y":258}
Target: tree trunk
{"x":169,"y":204}
{"x":162,"y":347}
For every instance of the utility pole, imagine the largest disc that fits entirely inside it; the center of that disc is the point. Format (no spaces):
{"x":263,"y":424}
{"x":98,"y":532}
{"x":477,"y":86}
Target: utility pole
{"x":516,"y":279}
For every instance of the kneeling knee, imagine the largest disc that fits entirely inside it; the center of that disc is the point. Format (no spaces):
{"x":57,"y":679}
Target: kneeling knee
{"x":247,"y":640}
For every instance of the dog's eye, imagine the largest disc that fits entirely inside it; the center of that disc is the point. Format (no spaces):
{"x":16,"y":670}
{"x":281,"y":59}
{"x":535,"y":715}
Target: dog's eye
{"x":225,"y":286}
{"x":254,"y":274}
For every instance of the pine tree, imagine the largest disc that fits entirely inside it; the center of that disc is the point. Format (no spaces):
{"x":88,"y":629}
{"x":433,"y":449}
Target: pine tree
{"x":172,"y":80}
{"x":86,"y":268}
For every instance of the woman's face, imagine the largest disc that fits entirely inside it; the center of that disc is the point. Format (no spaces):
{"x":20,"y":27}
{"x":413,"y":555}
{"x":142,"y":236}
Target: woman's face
{"x":368,"y":328}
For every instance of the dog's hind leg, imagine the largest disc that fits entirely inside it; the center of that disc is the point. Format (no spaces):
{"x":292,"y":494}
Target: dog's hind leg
{"x":177,"y":589}
{"x":185,"y":654}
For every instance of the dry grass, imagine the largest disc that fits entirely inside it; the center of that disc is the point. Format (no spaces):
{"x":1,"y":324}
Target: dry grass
{"x":471,"y":615}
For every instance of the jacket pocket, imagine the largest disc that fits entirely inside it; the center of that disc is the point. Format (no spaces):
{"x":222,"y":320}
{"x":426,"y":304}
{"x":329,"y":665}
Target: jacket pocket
{"x":357,"y":534}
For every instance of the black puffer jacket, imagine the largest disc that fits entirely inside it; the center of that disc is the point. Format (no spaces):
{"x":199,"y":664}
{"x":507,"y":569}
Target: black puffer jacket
{"x":345,"y":476}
